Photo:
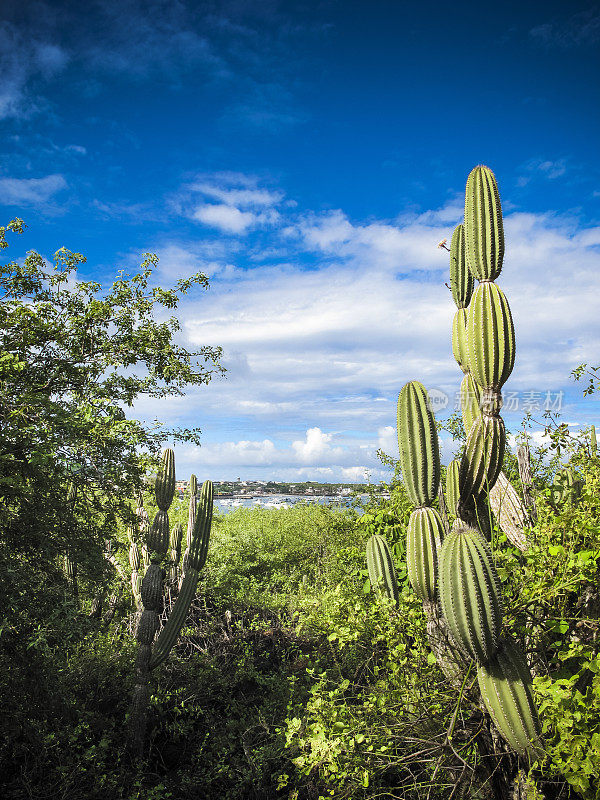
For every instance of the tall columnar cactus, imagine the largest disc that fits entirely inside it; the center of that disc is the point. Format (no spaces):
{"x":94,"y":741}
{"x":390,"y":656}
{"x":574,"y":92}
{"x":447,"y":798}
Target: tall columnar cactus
{"x":152,"y":598}
{"x":380,"y":565}
{"x":196,"y":560}
{"x":468,"y":585}
{"x":420,"y":462}
{"x":490,"y":339}
{"x":152,"y":589}
{"x":593,"y":442}
{"x":506,"y":687}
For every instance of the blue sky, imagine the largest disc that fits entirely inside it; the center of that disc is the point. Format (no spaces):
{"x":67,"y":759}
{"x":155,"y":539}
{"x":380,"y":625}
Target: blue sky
{"x":309,"y":156}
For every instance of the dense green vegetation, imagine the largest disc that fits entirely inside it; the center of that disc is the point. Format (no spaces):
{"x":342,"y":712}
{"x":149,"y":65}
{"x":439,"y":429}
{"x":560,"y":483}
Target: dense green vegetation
{"x":292,"y":679}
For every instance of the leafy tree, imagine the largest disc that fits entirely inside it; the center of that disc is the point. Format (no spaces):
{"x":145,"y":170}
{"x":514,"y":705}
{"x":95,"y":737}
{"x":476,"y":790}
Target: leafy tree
{"x":74,"y":356}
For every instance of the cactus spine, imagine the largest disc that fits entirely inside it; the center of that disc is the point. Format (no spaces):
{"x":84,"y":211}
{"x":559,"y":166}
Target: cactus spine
{"x":380,"y":565}
{"x":506,"y":687}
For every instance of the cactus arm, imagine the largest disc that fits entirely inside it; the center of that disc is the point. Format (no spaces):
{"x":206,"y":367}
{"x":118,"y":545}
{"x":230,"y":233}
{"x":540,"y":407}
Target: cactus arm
{"x":484,"y":231}
{"x":506,"y":687}
{"x":423,"y":541}
{"x":470,"y":592}
{"x":461,"y":278}
{"x":380,"y":565}
{"x":418,"y":444}
{"x":169,"y":634}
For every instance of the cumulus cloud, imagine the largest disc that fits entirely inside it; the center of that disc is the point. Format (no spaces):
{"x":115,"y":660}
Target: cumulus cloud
{"x":231,"y":202}
{"x":226,"y":218}
{"x":316,"y":357}
{"x":30,"y":191}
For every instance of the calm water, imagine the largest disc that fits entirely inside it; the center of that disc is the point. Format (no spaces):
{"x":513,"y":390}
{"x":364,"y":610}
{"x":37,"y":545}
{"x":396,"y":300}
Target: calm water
{"x":274,"y":501}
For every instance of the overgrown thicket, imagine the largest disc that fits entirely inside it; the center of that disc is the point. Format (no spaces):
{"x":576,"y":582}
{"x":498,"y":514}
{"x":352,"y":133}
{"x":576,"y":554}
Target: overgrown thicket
{"x":293,"y":680}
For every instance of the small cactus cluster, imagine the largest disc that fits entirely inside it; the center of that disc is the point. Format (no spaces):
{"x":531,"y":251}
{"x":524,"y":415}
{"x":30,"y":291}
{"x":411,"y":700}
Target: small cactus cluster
{"x":460,"y":571}
{"x":567,"y":486}
{"x":158,"y":540}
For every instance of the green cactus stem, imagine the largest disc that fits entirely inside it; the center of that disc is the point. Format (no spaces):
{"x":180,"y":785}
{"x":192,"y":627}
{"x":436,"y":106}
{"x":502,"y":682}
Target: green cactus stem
{"x":470,"y":401}
{"x":482,"y":459}
{"x":380,"y":565}
{"x":506,"y":687}
{"x":470,"y":592}
{"x":452,"y":486}
{"x":490,"y":337}
{"x":418,"y":443}
{"x":461,"y":278}
{"x":567,"y":486}
{"x":460,"y":349}
{"x":164,"y":486}
{"x":196,"y":560}
{"x":423,"y":540}
{"x":158,"y":536}
{"x":484,"y":231}
{"x":134,"y":556}
{"x":176,"y":536}
{"x":593,"y":442}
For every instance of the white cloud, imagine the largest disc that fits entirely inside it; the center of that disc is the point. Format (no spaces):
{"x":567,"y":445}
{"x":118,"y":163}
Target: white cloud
{"x":245,"y":197}
{"x":316,"y":357}
{"x":316,"y":447}
{"x":30,"y":191}
{"x":226,"y":218}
